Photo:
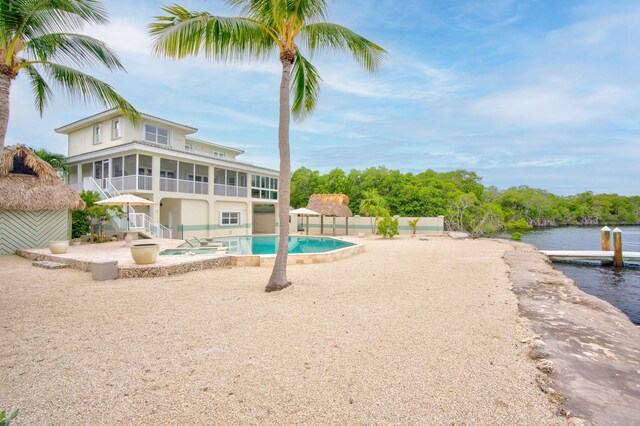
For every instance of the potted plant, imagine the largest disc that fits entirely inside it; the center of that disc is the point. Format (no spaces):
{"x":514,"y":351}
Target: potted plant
{"x":58,"y":247}
{"x":75,"y":241}
{"x":145,"y":254}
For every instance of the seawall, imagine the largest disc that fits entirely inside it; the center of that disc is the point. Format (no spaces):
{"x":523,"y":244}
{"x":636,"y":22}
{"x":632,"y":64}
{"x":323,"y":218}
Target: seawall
{"x":587,"y":351}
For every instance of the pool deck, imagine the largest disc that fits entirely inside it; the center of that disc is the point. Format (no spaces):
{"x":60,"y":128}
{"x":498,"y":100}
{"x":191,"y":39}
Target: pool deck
{"x":80,"y":257}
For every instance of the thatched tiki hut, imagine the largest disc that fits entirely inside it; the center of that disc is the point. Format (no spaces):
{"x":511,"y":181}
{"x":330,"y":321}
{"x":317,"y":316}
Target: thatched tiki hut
{"x":335,"y":205}
{"x":35,"y":204}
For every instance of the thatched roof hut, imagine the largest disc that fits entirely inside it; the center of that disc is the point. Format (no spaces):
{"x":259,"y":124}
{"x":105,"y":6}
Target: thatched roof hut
{"x":336,"y":205}
{"x":29,"y":183}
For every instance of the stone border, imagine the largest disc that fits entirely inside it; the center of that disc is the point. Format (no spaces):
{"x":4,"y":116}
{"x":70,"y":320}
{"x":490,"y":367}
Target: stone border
{"x":587,"y":350}
{"x":298,"y":259}
{"x":138,"y":271}
{"x":196,"y":264}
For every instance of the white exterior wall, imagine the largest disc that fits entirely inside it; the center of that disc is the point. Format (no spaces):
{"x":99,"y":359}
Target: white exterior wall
{"x":198,"y":213}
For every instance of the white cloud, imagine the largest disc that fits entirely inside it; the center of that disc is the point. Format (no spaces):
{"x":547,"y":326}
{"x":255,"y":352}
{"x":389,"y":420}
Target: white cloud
{"x":548,"y":105}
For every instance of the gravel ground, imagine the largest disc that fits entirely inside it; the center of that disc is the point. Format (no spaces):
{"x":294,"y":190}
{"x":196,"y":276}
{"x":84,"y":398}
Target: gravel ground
{"x":410,"y":332}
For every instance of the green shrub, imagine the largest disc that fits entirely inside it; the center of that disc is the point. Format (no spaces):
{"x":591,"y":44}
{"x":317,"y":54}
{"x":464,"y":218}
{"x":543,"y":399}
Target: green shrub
{"x":413,"y":224}
{"x":6,"y":418}
{"x":388,"y":227}
{"x":516,"y":236}
{"x":519,"y":225}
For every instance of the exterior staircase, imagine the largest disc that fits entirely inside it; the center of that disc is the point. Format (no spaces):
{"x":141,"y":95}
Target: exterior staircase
{"x":138,"y":222}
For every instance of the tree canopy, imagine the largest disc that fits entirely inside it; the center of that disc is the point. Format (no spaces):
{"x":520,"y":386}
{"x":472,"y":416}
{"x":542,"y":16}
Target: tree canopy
{"x":465,"y":203}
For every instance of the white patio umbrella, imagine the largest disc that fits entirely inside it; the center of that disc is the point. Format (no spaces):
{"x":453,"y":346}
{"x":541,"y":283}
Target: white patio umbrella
{"x":126,"y":200}
{"x":305,"y":213}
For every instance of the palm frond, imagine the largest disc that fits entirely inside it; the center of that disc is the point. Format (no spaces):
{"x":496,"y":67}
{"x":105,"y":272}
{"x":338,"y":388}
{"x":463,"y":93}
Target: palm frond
{"x":75,"y":49}
{"x":284,"y":16}
{"x":325,"y":36}
{"x":182,"y":33}
{"x":78,"y":85}
{"x":41,"y":89}
{"x":38,"y":17}
{"x":305,"y":87}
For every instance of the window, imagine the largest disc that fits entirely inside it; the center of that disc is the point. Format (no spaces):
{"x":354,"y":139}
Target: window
{"x":264,"y":187}
{"x":117,"y":167}
{"x":97,"y":134}
{"x":230,"y":218}
{"x":188,"y":147}
{"x":156,"y":134}
{"x":218,"y":154}
{"x":115,"y":129}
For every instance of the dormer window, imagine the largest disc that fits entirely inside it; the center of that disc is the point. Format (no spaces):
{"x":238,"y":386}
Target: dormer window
{"x":97,"y":134}
{"x":188,"y":147}
{"x":156,"y":134}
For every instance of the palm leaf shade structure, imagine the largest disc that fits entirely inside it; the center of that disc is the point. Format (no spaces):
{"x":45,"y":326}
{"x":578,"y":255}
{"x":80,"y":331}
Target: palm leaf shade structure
{"x":264,"y":28}
{"x":38,"y":39}
{"x":334,"y":205}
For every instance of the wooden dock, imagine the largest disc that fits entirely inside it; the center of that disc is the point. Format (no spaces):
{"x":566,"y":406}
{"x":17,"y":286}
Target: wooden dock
{"x":607,"y":256}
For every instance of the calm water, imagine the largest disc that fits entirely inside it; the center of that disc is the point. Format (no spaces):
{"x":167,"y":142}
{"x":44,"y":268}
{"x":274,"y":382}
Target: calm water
{"x":618,"y":286}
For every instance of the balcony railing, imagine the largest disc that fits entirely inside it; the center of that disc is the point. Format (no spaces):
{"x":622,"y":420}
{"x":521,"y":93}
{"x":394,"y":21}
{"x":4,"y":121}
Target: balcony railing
{"x":132,"y":182}
{"x":183,"y":186}
{"x":229,"y":190}
{"x":122,"y":183}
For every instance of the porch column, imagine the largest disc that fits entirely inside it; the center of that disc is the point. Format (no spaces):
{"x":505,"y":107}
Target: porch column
{"x":154,"y":211}
{"x":79,"y":173}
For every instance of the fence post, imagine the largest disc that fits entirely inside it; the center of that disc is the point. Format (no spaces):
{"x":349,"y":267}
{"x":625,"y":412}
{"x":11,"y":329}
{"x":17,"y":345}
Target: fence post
{"x":617,"y":248}
{"x":605,"y":236}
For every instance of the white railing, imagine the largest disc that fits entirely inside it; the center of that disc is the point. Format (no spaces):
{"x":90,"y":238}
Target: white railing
{"x":132,"y":182}
{"x":136,"y":221}
{"x":184,"y":186}
{"x":229,"y":190}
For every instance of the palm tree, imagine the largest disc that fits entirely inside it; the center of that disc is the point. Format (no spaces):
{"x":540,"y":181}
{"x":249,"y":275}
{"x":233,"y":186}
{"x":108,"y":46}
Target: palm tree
{"x":263,"y":28}
{"x":37,"y":39}
{"x":375,"y":206}
{"x":57,"y":161}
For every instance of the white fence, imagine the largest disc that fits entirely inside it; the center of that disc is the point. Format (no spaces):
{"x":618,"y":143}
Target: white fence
{"x":357,"y":224}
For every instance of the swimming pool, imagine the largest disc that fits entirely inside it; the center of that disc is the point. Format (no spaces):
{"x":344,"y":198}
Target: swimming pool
{"x":263,"y":245}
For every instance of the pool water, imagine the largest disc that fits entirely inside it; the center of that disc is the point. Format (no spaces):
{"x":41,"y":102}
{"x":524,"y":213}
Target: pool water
{"x":265,"y":244}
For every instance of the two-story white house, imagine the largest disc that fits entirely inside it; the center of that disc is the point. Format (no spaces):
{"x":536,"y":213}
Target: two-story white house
{"x":200,"y":188}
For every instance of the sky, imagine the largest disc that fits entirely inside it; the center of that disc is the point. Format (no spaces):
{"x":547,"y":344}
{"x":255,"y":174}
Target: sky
{"x":543,"y":93}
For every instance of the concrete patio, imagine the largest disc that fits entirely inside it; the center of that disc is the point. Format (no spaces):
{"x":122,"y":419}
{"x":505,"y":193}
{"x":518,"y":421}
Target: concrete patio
{"x":80,"y":257}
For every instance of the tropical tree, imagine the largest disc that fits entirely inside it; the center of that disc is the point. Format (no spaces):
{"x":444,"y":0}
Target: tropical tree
{"x":375,"y":206}
{"x":57,"y":161}
{"x":38,"y":40}
{"x":265,"y":27}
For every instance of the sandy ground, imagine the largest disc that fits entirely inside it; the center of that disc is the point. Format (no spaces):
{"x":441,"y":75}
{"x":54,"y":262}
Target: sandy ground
{"x":410,"y":332}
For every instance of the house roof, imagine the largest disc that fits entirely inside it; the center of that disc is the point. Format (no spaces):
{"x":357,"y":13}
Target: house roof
{"x":239,"y":151}
{"x":330,"y":205}
{"x":68,"y":128}
{"x":29,"y":183}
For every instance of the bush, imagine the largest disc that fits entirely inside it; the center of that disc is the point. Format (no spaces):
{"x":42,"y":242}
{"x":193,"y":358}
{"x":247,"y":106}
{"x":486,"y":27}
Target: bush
{"x":516,"y":236}
{"x":388,"y":227}
{"x":519,"y":225}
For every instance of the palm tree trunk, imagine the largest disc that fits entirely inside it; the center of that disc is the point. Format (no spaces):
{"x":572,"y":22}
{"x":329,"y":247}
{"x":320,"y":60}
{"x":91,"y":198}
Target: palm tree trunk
{"x":278,"y":279}
{"x":5,"y":86}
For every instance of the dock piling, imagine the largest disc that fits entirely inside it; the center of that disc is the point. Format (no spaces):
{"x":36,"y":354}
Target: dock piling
{"x":617,"y":248}
{"x":605,"y":236}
